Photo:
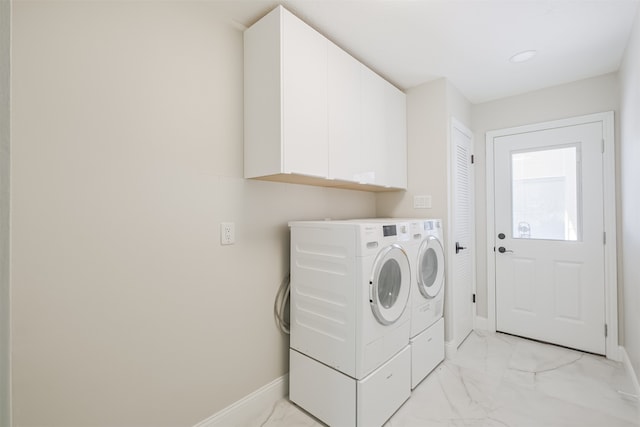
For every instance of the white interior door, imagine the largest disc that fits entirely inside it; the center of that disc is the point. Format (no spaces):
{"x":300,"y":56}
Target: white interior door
{"x":461,"y":244}
{"x":549,"y":235}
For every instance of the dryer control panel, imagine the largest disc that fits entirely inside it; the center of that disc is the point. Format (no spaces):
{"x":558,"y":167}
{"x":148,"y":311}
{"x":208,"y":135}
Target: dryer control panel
{"x":389,"y":230}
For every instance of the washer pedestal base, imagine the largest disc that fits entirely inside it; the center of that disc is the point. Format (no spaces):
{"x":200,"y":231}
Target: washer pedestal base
{"x":427,"y":351}
{"x":339,"y":400}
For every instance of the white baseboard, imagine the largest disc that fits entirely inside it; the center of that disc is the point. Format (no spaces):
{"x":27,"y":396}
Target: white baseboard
{"x":450,"y":349}
{"x":480,"y":323}
{"x":249,"y":408}
{"x":616,"y":353}
{"x":630,"y":371}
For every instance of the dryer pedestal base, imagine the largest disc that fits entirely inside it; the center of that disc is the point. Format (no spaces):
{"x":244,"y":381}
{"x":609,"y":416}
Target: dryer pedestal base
{"x":427,"y":351}
{"x":339,"y":400}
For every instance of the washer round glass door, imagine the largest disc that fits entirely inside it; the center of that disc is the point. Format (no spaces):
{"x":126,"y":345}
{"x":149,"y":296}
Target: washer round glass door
{"x":430,"y":267}
{"x":390,"y":284}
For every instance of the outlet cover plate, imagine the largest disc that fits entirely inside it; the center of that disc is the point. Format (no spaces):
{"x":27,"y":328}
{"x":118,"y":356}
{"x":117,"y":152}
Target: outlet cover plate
{"x":227,"y":233}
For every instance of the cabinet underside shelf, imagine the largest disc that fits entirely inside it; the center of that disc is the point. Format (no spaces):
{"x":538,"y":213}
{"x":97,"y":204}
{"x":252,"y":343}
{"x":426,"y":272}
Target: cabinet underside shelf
{"x":324,"y":182}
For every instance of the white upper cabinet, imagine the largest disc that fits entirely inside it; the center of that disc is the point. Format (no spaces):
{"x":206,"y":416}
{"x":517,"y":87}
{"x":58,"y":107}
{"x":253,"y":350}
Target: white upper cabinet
{"x":384,"y":132}
{"x":315,"y":115}
{"x":373,"y":128}
{"x":304,"y":92}
{"x":285,"y":98}
{"x":344,"y":116}
{"x":396,"y":137}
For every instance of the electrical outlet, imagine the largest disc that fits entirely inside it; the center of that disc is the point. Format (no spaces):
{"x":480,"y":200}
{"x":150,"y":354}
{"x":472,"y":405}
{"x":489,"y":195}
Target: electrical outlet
{"x":227,"y":233}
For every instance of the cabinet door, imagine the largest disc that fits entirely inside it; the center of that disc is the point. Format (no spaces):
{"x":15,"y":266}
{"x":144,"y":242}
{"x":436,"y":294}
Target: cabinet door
{"x":263,"y":97}
{"x":373,"y":153}
{"x":344,"y":115}
{"x":396,"y":137}
{"x":305,"y":130}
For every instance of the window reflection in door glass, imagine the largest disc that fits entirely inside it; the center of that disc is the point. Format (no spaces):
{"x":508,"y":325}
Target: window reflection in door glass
{"x":545,"y":194}
{"x":389,"y":283}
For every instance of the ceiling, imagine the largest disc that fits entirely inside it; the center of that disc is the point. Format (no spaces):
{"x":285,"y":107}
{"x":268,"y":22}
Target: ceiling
{"x":469,"y":42}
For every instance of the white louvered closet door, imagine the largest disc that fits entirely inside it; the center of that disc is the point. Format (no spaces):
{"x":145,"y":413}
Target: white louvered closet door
{"x":461,"y":252}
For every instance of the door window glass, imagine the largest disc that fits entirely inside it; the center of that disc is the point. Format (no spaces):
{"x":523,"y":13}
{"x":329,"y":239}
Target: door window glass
{"x":429,"y":268}
{"x":546,"y":194}
{"x":389,"y":283}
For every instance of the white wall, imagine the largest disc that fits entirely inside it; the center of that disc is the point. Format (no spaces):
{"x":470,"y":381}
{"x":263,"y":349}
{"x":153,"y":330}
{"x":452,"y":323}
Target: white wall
{"x":5,"y":369}
{"x":583,"y":97}
{"x":630,"y":193}
{"x":426,"y":154}
{"x":126,"y":156}
{"x":430,"y":107}
{"x":458,"y":105}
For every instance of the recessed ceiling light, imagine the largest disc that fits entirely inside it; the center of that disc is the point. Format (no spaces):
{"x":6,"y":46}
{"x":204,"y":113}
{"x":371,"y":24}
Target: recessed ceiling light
{"x":523,"y":56}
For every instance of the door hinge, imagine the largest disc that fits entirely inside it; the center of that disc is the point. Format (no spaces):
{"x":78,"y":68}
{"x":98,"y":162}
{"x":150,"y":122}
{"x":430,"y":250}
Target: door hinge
{"x":602,"y":146}
{"x":606,"y":330}
{"x":604,"y":237}
{"x":473,"y":159}
{"x":473,"y":298}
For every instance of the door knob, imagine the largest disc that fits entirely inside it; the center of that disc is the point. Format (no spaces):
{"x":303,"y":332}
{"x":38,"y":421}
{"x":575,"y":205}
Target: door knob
{"x":459,"y":248}
{"x":502,"y":250}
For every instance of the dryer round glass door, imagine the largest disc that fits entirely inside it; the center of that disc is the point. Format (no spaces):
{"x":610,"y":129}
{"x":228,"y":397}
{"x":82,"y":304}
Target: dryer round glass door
{"x":430,"y":267}
{"x":390,"y":284}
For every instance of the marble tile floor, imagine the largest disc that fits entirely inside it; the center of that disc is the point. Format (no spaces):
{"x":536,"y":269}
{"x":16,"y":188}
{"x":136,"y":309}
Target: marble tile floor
{"x":497,"y":380}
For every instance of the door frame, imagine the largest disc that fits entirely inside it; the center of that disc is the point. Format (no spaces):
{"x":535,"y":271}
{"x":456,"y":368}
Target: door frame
{"x":609,"y":200}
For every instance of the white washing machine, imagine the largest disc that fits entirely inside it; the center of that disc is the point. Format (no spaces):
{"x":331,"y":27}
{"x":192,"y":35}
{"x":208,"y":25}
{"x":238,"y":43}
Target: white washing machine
{"x":424,"y":246}
{"x":350,"y":360}
{"x":427,"y":300}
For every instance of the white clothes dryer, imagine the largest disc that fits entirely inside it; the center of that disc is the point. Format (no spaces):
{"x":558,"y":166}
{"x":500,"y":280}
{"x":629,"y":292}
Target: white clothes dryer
{"x":423,"y":245}
{"x":427,"y":301}
{"x":350,"y":323}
